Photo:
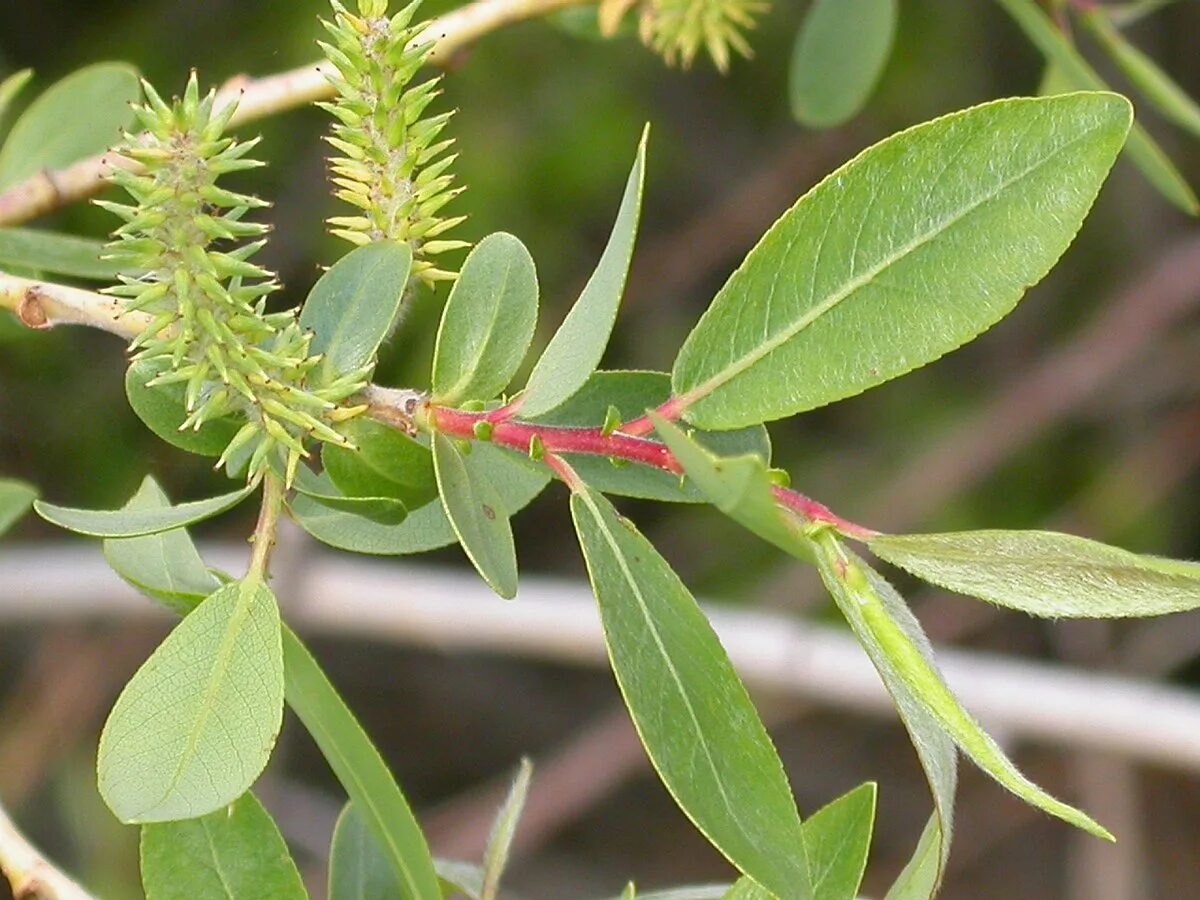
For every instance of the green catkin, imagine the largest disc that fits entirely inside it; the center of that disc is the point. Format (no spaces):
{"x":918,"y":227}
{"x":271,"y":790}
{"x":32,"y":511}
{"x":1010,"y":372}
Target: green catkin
{"x":210,"y":330}
{"x":679,"y":29}
{"x":393,"y":169}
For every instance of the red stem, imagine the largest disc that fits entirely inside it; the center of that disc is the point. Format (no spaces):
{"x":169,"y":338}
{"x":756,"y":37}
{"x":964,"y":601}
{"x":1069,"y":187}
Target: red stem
{"x":556,"y":439}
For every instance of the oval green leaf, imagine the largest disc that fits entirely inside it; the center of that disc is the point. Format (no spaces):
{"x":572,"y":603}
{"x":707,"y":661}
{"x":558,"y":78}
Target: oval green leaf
{"x":477,"y":513}
{"x":691,"y":710}
{"x":15,"y":499}
{"x":350,"y":310}
{"x":164,"y":566}
{"x":161,"y":408}
{"x":1045,"y":573}
{"x":905,"y":253}
{"x":488,"y":321}
{"x":235,"y":853}
{"x":79,"y":116}
{"x":195,"y":726}
{"x":839,"y":54}
{"x":128,"y":523}
{"x":631,"y":393}
{"x":386,"y":463}
{"x":361,"y":770}
{"x":56,"y":254}
{"x":578,"y":345}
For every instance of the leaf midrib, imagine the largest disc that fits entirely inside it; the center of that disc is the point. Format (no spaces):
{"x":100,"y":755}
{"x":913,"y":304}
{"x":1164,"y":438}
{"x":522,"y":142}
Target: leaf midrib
{"x":761,"y":351}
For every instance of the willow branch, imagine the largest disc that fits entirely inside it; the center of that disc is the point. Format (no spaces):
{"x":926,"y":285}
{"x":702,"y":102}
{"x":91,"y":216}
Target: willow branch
{"x":43,"y":304}
{"x":32,"y":877}
{"x":258,"y":98}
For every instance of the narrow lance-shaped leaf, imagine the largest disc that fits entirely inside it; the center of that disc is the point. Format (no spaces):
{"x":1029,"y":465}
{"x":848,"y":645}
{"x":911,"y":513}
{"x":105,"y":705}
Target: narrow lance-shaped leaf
{"x":1145,"y":74}
{"x":76,"y":117}
{"x":691,"y":710}
{"x":839,"y":54}
{"x":922,"y":874}
{"x":58,"y":254}
{"x":1144,"y":151}
{"x":488,"y":321}
{"x":195,"y":726}
{"x":904,"y":254}
{"x":504,"y":829}
{"x":1045,"y":573}
{"x":361,"y":770}
{"x":577,"y":347}
{"x":126,"y":523}
{"x":351,"y":309}
{"x":15,"y":499}
{"x":10,"y":87}
{"x":164,"y":566}
{"x":358,"y":870}
{"x":477,"y":512}
{"x":874,"y":605}
{"x":383,"y":510}
{"x":235,"y":853}
{"x":837,"y":838}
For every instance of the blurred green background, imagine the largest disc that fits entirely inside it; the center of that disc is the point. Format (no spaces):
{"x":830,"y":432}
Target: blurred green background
{"x":1081,"y":410}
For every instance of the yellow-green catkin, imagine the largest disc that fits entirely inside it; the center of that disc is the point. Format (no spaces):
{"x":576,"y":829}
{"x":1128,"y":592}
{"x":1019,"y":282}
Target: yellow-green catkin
{"x":679,"y":29}
{"x":394,"y":166}
{"x":184,"y":251}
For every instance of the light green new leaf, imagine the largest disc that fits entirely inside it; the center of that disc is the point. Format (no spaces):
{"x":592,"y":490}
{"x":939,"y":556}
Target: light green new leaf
{"x":52,"y":253}
{"x":1045,"y":573}
{"x":10,"y":87}
{"x":876,"y":613}
{"x":691,"y":710}
{"x":631,"y":394}
{"x":578,"y":345}
{"x":350,"y":310}
{"x":837,"y":839}
{"x":1144,"y":151}
{"x":236,"y":853}
{"x":161,"y":409}
{"x":839,"y":54}
{"x":488,"y":321}
{"x":384,"y":510}
{"x":902,"y":255}
{"x":165,"y":566}
{"x":516,"y":479}
{"x":460,"y":878}
{"x":77,"y":117}
{"x":386,"y":463}
{"x":1145,"y":74}
{"x":922,"y":874}
{"x":195,"y":726}
{"x":504,"y":829}
{"x":362,"y":772}
{"x":128,"y":523}
{"x":15,"y":499}
{"x":477,"y":513}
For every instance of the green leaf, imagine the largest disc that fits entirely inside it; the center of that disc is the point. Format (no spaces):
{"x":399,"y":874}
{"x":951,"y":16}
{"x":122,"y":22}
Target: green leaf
{"x":631,"y":394}
{"x":460,"y":878}
{"x":235,"y":853}
{"x":10,"y":87}
{"x":874,"y":608}
{"x":578,"y":345}
{"x":387,"y":463}
{"x":384,"y":510}
{"x":516,"y":479}
{"x":165,"y":566}
{"x":1045,"y":573}
{"x":840,"y":53}
{"x":504,"y":829}
{"x":1145,"y":74}
{"x":691,"y":710}
{"x":15,"y":499}
{"x":358,"y":870}
{"x":127,"y":523}
{"x":350,"y":310}
{"x":488,"y":321}
{"x":477,"y":513}
{"x":79,"y":116}
{"x":161,"y":409}
{"x":58,"y":254}
{"x":361,"y":770}
{"x":922,"y":875}
{"x":837,"y":838}
{"x":1144,"y":151}
{"x":745,"y":889}
{"x":195,"y":726}
{"x":902,"y":255}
